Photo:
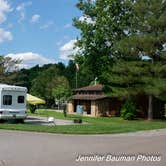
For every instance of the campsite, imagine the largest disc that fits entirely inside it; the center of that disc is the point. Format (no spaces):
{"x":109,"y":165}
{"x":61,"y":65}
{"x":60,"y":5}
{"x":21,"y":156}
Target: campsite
{"x":82,"y":82}
{"x":45,"y":120}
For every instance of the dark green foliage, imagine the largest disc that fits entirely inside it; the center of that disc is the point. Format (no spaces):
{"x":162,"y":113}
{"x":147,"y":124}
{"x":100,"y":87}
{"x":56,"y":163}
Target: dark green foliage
{"x":135,"y":77}
{"x":8,"y":68}
{"x":52,"y":84}
{"x":116,"y":41}
{"x":84,"y":76}
{"x":32,"y":108}
{"x":70,"y":73}
{"x":25,"y":77}
{"x":42,"y":85}
{"x":104,"y":25}
{"x":128,"y":110}
{"x":97,"y":34}
{"x":131,"y":74}
{"x":61,"y":90}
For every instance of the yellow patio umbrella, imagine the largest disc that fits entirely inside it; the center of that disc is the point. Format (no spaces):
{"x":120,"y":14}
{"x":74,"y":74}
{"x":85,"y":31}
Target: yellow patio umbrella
{"x":34,"y":100}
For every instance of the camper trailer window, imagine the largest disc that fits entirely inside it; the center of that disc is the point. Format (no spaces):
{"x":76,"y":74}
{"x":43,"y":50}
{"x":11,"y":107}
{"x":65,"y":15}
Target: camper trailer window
{"x":20,"y":99}
{"x":7,"y":100}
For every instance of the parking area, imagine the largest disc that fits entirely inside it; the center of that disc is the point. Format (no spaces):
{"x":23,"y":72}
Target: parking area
{"x":45,"y":121}
{"x":48,"y":121}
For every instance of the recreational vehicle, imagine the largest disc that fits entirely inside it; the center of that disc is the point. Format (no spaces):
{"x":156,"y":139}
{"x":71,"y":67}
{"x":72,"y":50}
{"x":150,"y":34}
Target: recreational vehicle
{"x":12,"y":102}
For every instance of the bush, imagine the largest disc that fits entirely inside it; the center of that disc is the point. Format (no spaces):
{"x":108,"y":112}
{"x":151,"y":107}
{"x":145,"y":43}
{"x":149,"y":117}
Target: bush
{"x":128,"y":110}
{"x":32,"y":108}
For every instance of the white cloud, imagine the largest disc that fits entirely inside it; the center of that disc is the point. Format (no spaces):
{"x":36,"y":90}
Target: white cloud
{"x":30,"y":59}
{"x":5,"y":35}
{"x":47,"y":25}
{"x":22,"y":10}
{"x":22,"y":6}
{"x":35,"y":18}
{"x":68,"y":49}
{"x":68,"y":46}
{"x":4,"y":9}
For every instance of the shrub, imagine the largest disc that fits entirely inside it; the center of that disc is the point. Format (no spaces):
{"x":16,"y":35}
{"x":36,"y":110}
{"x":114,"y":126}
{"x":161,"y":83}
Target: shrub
{"x":128,"y":110}
{"x":32,"y":108}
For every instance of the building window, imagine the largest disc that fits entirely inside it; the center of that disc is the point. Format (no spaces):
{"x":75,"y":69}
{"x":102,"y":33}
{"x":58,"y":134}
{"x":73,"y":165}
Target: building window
{"x":7,"y":100}
{"x":99,"y":93}
{"x":20,"y":99}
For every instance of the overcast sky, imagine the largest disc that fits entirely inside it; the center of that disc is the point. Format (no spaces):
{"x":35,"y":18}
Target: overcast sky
{"x":38,"y":31}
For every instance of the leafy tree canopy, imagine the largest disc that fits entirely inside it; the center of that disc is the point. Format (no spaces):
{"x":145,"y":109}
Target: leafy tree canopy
{"x":8,"y":68}
{"x":123,"y":43}
{"x":61,"y":90}
{"x":131,"y":73}
{"x":102,"y":24}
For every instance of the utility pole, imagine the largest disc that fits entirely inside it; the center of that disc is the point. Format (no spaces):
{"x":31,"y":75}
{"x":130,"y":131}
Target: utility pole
{"x":76,"y":79}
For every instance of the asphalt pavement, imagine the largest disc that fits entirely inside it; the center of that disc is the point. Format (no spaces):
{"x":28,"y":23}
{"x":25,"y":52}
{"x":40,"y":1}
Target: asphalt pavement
{"x":37,"y":120}
{"x":41,"y":149}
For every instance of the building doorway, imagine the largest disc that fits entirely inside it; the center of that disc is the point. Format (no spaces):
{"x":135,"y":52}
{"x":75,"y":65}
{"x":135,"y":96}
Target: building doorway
{"x":88,"y":107}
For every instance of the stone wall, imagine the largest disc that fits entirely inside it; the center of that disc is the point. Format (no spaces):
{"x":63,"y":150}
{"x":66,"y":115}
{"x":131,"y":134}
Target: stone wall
{"x":70,"y":107}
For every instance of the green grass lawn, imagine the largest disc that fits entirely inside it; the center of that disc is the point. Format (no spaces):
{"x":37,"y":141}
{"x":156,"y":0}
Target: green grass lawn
{"x":100,"y":125}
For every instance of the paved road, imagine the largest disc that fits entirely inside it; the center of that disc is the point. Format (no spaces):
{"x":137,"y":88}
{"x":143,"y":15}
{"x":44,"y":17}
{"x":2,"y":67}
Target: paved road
{"x":41,"y":149}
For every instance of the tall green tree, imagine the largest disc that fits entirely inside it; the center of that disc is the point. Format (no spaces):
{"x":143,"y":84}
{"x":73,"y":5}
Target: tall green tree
{"x":123,"y":43}
{"x":70,"y":73}
{"x":141,"y":62}
{"x":102,"y":24}
{"x":84,"y":76}
{"x":46,"y":81}
{"x":61,"y":90}
{"x":43,"y":83}
{"x":25,"y":77}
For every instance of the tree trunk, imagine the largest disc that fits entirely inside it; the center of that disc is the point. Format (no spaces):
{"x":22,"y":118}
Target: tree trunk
{"x":150,"y":108}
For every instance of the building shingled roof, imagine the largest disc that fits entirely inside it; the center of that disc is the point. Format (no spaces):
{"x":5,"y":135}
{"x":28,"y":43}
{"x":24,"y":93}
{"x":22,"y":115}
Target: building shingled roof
{"x":98,"y":87}
{"x":88,"y":97}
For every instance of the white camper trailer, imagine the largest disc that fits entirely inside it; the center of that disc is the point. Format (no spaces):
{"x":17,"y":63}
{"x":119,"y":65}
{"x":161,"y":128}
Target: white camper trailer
{"x":12,"y":102}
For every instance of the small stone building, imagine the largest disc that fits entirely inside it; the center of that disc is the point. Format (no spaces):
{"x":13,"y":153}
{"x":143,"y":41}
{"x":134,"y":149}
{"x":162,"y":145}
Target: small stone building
{"x":94,"y":101}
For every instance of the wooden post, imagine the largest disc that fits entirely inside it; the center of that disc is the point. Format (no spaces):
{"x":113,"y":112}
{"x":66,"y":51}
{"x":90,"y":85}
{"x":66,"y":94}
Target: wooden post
{"x":150,"y":107}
